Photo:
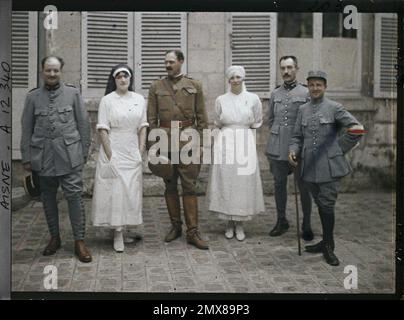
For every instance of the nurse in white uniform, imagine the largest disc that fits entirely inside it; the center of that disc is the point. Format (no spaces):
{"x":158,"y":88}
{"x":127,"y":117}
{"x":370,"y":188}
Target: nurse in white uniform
{"x":122,"y":123}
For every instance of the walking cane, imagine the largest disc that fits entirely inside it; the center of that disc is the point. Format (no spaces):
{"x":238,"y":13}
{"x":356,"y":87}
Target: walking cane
{"x":297,"y":212}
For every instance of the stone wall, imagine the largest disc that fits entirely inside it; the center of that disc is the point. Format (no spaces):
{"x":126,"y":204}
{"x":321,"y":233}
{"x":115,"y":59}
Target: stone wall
{"x":373,"y":161}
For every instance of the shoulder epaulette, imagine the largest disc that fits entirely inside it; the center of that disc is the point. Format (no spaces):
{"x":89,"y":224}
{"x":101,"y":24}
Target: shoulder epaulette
{"x":303,"y":84}
{"x":188,"y":77}
{"x":33,"y":89}
{"x":70,"y":85}
{"x":277,"y":86}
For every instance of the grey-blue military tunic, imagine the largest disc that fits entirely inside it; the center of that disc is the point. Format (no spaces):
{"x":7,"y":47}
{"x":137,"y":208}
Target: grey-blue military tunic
{"x":317,"y":141}
{"x":55,"y":141}
{"x":55,"y":131}
{"x":283,"y":108}
{"x":282,"y":113}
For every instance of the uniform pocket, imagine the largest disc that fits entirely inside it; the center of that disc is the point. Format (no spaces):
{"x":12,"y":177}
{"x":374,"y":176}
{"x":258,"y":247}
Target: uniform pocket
{"x":41,"y":112}
{"x":36,"y":152}
{"x":189,"y":91}
{"x":164,"y":101}
{"x":334,"y":151}
{"x":274,"y":141}
{"x":74,"y":148}
{"x":65,"y":113}
{"x":338,"y":165}
{"x":325,"y":119}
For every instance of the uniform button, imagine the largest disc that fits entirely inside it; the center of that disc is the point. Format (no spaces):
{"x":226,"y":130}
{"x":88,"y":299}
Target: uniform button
{"x":314,"y":142}
{"x":286,"y":124}
{"x":286,"y":118}
{"x":286,"y":111}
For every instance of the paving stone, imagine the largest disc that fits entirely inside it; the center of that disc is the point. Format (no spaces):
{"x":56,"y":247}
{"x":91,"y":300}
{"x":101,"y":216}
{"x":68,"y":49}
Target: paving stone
{"x":259,"y":264}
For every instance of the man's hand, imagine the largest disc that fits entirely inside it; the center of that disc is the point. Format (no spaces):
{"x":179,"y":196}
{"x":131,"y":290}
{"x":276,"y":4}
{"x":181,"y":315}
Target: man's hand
{"x":292,"y":159}
{"x":27,"y":167}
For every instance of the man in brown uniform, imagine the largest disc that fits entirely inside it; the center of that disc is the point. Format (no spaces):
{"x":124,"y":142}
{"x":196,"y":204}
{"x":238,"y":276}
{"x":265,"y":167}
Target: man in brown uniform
{"x":177,"y":101}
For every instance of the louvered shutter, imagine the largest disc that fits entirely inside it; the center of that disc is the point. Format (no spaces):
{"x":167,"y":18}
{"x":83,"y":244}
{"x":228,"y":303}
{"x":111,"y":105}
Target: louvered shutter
{"x":253,"y":45}
{"x":155,"y":33}
{"x":24,"y":61}
{"x":385,"y":56}
{"x":107,"y":39}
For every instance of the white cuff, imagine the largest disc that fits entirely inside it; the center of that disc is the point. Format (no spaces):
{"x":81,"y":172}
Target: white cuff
{"x":103,"y":126}
{"x":144,"y":124}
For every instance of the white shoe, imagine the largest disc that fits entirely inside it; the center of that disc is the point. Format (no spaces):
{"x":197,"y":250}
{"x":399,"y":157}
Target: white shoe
{"x":229,"y":230}
{"x":118,"y":241}
{"x":239,"y":231}
{"x":128,"y":239}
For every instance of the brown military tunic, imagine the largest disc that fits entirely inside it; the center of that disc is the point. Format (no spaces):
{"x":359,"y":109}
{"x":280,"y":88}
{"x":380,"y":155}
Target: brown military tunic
{"x":189,"y":97}
{"x":188,"y":106}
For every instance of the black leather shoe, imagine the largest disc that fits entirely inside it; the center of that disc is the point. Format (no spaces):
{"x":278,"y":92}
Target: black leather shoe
{"x":307,"y":235}
{"x":317,"y":248}
{"x":329,"y":256}
{"x":314,"y":248}
{"x":53,"y":245}
{"x":280,"y":228}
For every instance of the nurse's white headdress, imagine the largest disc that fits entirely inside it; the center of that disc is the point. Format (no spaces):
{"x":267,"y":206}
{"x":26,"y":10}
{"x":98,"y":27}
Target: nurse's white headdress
{"x":236,"y":71}
{"x":120,"y":70}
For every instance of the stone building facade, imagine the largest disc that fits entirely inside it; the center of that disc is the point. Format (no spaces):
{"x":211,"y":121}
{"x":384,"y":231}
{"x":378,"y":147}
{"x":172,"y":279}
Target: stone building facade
{"x":360,"y":65}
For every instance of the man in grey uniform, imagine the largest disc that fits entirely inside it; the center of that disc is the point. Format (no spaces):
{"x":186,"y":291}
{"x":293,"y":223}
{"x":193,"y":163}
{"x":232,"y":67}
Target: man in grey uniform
{"x":323,"y":133}
{"x":283,"y":107}
{"x":54,"y":143}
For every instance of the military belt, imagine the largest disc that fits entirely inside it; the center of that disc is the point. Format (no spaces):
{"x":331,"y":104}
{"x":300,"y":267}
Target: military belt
{"x":181,"y":124}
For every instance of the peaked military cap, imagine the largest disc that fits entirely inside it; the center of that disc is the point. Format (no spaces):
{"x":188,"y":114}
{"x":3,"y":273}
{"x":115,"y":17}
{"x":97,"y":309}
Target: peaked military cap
{"x":317,"y":74}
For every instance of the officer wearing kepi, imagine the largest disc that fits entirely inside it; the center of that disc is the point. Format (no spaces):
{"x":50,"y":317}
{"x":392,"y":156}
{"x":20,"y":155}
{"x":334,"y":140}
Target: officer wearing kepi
{"x":283,"y":107}
{"x":323,"y":134}
{"x":54,"y":143}
{"x":177,"y":100}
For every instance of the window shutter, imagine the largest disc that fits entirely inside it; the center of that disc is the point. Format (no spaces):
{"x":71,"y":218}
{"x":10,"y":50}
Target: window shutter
{"x":385,"y":56}
{"x":24,"y":61}
{"x":24,"y":55}
{"x":107,"y":39}
{"x":155,"y":33}
{"x":253,"y":46}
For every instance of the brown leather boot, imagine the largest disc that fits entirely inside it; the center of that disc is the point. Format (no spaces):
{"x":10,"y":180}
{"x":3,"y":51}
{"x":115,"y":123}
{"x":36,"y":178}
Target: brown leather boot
{"x":53,"y":245}
{"x":81,"y":251}
{"x":191,"y":219}
{"x":174,"y":210}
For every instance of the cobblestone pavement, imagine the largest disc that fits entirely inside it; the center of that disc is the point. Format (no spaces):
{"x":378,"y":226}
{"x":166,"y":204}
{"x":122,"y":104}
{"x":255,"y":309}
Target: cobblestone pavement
{"x":260,"y":264}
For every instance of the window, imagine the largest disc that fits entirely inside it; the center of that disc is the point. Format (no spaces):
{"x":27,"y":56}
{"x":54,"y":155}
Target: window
{"x":24,"y":61}
{"x":107,"y":39}
{"x":385,"y":56}
{"x":295,"y":25}
{"x":138,"y":39}
{"x":23,"y":53}
{"x":252,"y":44}
{"x":155,"y":33}
{"x":333,"y":26}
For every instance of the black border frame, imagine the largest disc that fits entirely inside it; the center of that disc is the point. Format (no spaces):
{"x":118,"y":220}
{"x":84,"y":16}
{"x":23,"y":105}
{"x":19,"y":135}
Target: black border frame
{"x":364,"y":6}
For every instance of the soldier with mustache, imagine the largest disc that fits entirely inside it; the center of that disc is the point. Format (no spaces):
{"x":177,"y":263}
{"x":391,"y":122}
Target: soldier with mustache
{"x":54,"y":143}
{"x":177,"y":100}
